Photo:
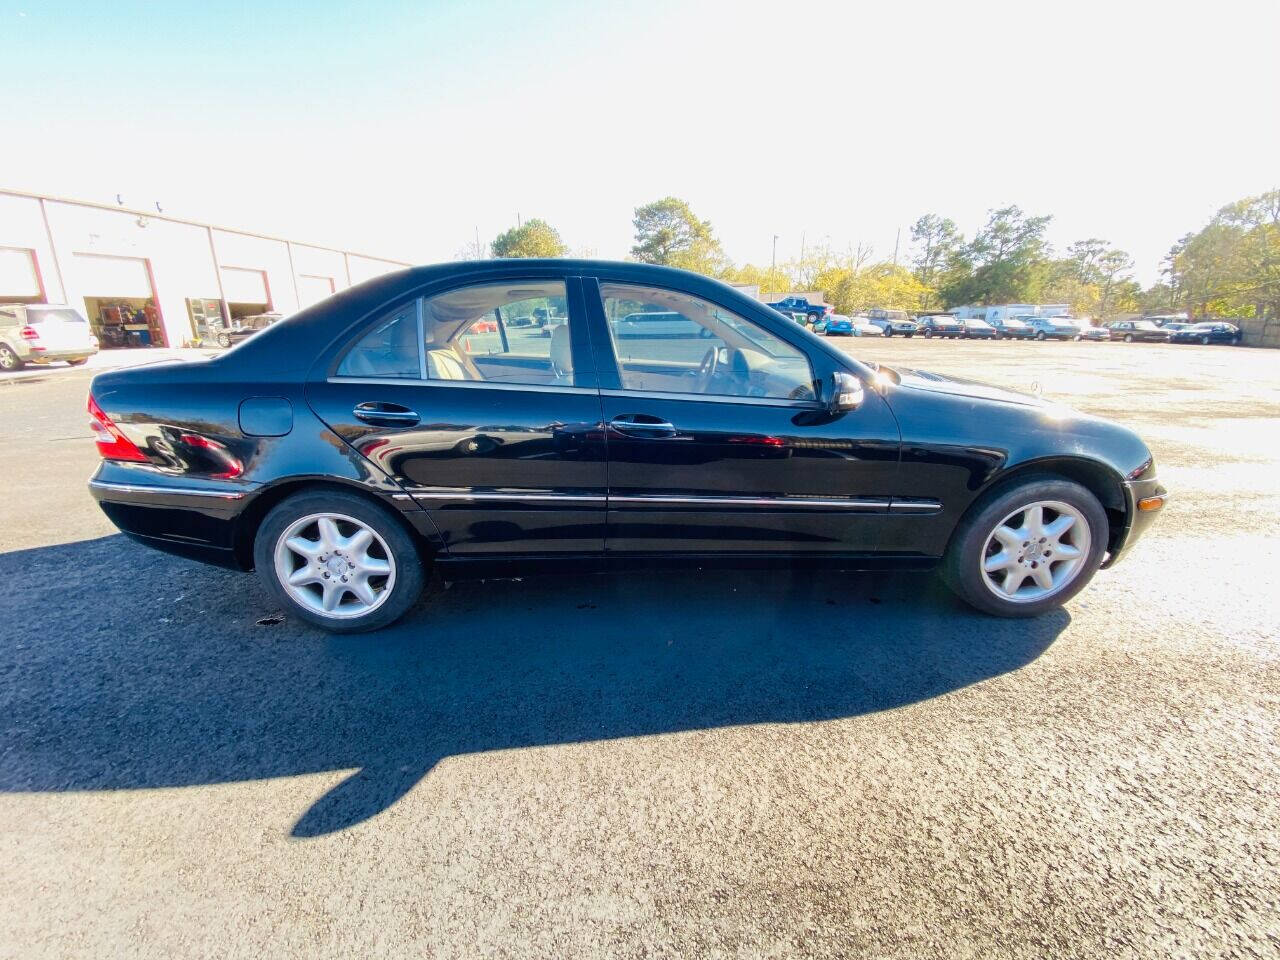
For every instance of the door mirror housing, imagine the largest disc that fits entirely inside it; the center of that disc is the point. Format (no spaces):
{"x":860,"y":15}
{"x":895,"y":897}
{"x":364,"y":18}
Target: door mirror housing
{"x":845,"y":393}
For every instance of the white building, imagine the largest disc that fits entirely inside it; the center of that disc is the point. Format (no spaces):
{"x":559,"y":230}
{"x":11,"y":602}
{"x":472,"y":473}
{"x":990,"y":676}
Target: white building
{"x":163,"y":279}
{"x":1007,"y":311}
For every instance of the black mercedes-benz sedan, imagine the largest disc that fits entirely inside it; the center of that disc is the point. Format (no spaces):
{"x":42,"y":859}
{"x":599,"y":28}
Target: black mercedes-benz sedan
{"x":413,"y":420}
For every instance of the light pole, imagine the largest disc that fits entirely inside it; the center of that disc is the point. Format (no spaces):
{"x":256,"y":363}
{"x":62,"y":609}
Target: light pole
{"x":773,"y":264}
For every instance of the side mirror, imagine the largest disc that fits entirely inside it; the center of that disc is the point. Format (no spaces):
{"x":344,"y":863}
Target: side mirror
{"x":845,"y":392}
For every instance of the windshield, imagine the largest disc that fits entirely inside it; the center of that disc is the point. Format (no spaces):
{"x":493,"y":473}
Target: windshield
{"x":1145,"y":325}
{"x":36,"y":315}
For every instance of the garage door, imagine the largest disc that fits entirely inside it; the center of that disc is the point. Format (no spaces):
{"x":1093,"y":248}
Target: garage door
{"x":240,"y":285}
{"x":314,"y":289}
{"x":18,"y":277}
{"x":99,"y":276}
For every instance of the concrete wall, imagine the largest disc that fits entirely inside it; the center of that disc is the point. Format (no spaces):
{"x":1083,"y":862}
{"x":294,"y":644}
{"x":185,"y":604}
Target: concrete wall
{"x":1257,"y":333}
{"x":183,"y":258}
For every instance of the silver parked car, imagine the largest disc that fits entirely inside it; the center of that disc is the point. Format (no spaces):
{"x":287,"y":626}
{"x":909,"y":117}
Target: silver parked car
{"x":1054,"y":328}
{"x":43,"y":333}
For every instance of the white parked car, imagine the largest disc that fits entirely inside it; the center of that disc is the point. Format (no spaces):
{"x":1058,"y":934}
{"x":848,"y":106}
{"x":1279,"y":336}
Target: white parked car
{"x":43,"y":333}
{"x":863,"y":327}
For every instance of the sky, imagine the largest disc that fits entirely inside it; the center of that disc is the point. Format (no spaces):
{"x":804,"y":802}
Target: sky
{"x":405,"y":130}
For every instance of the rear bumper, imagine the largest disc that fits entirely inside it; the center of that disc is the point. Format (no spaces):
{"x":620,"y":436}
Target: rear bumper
{"x":189,"y":517}
{"x":49,"y":356}
{"x":1138,"y":518}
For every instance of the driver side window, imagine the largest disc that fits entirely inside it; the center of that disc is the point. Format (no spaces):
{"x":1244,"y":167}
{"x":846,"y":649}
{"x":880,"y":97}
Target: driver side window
{"x":672,"y":342}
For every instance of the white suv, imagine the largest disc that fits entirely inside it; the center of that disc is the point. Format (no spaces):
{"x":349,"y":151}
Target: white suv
{"x":42,"y":333}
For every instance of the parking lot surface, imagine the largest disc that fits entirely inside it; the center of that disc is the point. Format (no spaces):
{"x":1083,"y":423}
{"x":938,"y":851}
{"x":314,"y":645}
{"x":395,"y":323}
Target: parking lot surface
{"x":728,"y":765}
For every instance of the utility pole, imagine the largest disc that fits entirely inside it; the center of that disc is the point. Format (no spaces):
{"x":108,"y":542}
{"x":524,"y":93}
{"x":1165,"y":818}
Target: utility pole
{"x":773,"y":264}
{"x":896,"y":238}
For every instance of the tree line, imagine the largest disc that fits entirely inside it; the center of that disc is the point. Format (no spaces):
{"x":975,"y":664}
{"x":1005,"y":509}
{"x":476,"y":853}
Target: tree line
{"x":1228,"y":268}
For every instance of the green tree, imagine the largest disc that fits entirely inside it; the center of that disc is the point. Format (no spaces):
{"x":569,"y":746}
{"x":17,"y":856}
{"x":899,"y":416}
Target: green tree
{"x":668,"y":233}
{"x":854,"y":289}
{"x":1005,"y":261}
{"x":935,"y":240}
{"x":770,"y":280}
{"x":533,"y":238}
{"x":1117,"y":292}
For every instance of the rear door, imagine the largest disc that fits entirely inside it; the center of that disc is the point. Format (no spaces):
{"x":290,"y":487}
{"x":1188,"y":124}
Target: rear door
{"x":493,"y":428}
{"x":717,"y":440}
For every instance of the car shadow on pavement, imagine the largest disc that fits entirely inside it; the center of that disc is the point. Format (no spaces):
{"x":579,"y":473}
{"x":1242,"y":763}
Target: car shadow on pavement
{"x":128,"y":669}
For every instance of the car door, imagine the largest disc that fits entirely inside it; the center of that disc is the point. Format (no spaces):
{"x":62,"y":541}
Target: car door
{"x":492,"y":428}
{"x":718,"y":440}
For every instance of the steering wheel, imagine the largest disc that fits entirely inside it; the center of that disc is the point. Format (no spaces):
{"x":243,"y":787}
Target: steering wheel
{"x":706,"y":369}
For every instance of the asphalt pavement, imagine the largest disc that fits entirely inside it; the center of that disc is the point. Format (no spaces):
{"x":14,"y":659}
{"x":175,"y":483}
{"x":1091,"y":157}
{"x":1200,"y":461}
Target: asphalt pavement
{"x":727,"y":765}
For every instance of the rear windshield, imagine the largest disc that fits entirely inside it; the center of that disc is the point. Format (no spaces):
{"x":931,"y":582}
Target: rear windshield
{"x":66,"y":315}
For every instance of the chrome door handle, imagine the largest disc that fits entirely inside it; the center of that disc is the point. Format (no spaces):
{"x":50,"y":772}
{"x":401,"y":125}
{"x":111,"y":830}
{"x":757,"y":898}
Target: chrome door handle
{"x":385,"y":414}
{"x":643,"y":426}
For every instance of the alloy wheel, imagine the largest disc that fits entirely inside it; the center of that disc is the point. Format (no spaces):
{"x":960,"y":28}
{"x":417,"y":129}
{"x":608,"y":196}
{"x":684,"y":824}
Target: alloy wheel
{"x":335,"y":565}
{"x":1035,"y":552}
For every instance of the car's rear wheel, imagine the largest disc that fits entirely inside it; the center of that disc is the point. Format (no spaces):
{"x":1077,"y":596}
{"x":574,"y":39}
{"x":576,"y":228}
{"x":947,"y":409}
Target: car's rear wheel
{"x":1128,"y":338}
{"x":78,"y":361}
{"x":888,"y":331}
{"x":8,"y":359}
{"x":1041,"y":335}
{"x":224,"y":340}
{"x":1204,"y":340}
{"x":338,"y":561}
{"x":1028,"y":548}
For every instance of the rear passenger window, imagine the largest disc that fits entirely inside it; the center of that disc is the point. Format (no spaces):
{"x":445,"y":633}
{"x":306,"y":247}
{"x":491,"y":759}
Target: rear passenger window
{"x":390,"y":349}
{"x":512,"y":332}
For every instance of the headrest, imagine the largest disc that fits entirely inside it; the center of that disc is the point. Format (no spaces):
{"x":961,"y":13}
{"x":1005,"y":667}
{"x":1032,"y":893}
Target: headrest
{"x":561,"y":351}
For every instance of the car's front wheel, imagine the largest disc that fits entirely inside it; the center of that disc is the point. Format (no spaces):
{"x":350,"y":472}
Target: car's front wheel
{"x":338,"y":561}
{"x":1040,"y":335}
{"x":1028,"y":548}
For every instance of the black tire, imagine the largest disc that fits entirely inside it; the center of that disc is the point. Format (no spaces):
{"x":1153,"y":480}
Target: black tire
{"x":1204,"y":340}
{"x":960,"y":568}
{"x":928,"y":334}
{"x":409,"y":568}
{"x":79,"y":361}
{"x":1128,"y":338}
{"x":1041,"y":335}
{"x":223,"y":340}
{"x":888,"y":331}
{"x":8,"y":359}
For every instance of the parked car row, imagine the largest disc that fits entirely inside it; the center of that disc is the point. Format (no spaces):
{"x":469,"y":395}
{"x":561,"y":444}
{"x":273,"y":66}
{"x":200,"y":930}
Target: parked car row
{"x":1146,"y":331}
{"x":888,"y":323}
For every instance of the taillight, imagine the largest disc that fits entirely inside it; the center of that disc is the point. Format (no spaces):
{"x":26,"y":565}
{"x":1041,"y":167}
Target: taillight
{"x":29,"y":333}
{"x":112,"y":444}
